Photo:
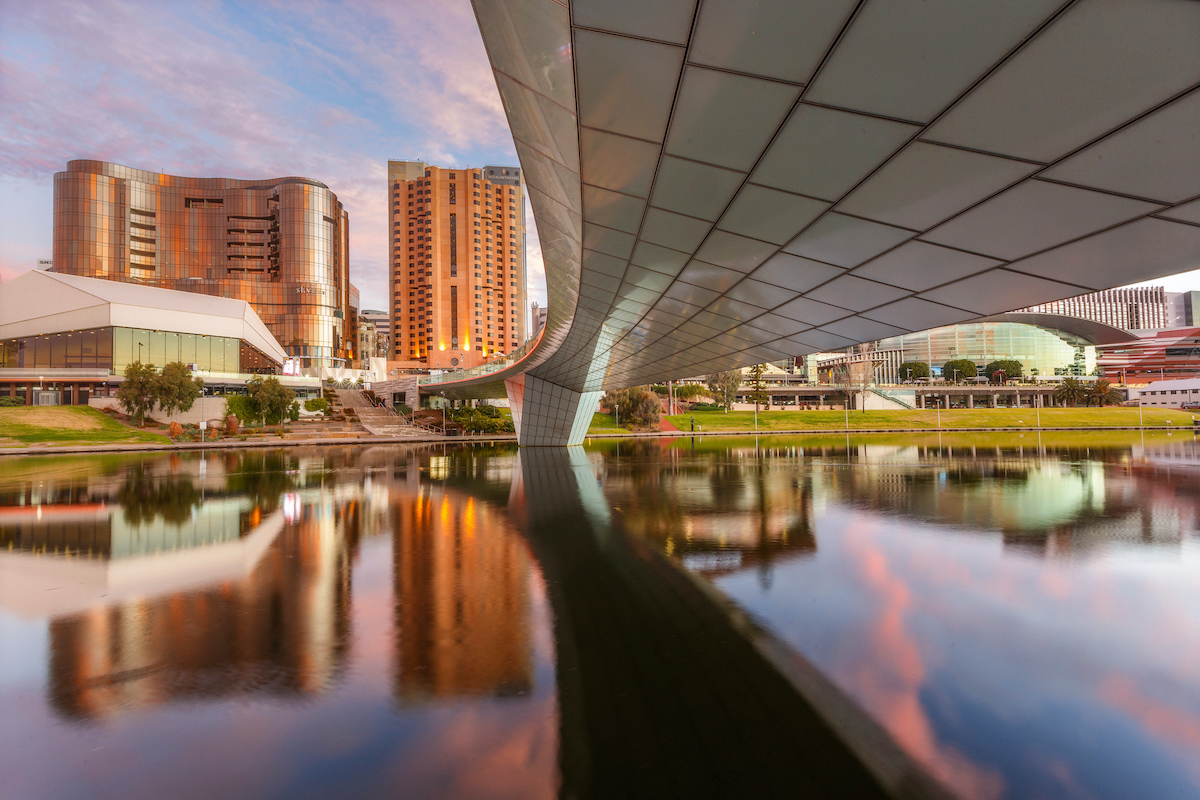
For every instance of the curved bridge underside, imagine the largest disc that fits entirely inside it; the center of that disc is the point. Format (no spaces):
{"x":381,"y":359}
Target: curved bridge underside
{"x":721,"y":183}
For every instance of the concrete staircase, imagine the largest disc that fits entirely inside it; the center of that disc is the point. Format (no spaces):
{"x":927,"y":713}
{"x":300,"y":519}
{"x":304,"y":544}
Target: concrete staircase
{"x":379,"y":421}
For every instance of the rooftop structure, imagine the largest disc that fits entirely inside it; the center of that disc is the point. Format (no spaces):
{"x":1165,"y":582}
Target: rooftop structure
{"x":75,"y":335}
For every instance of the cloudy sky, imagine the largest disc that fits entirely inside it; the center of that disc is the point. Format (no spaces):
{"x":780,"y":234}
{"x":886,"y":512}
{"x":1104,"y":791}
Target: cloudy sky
{"x":325,"y":90}
{"x":205,"y":88}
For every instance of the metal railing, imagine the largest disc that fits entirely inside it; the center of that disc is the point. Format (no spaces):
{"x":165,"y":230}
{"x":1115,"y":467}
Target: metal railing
{"x":483,"y":370}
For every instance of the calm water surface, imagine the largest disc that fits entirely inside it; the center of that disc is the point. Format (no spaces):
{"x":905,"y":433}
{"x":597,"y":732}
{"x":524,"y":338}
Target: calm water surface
{"x":1021,"y":617}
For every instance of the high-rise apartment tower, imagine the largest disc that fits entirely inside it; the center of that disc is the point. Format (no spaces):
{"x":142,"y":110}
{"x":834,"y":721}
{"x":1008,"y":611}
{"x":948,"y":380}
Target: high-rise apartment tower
{"x":280,"y":244}
{"x":458,"y":263}
{"x":1140,"y":308}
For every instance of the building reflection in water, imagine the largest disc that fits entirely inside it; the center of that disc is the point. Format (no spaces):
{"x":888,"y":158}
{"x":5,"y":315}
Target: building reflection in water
{"x":462,"y":602}
{"x":716,"y":512}
{"x":1018,"y":612}
{"x":180,"y":580}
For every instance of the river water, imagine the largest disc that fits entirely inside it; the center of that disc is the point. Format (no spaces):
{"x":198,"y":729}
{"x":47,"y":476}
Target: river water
{"x":1019,"y":617}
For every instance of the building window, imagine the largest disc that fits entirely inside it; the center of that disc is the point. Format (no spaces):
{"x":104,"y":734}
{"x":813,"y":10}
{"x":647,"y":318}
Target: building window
{"x":453,"y":194}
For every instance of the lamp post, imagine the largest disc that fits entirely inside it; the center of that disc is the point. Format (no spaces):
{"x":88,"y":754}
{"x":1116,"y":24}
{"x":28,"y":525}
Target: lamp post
{"x":617,"y":414}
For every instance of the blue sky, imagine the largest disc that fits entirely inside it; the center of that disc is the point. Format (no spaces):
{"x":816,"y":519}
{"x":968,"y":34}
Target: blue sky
{"x":325,"y":90}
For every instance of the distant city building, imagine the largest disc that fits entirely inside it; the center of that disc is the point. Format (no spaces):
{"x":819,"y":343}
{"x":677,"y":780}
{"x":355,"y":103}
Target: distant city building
{"x":1184,"y":309}
{"x":280,"y":244}
{"x":1041,"y":351}
{"x":367,"y":344}
{"x":382,"y":322}
{"x":1173,"y":353}
{"x":458,"y":294}
{"x":1171,"y":393}
{"x":539,"y":318}
{"x":73,"y":336}
{"x":1142,"y":308}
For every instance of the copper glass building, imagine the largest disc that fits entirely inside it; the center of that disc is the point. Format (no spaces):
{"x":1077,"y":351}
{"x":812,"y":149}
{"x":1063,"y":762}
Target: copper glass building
{"x":282,"y":245}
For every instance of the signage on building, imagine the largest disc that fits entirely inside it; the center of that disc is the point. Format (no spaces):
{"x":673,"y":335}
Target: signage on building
{"x":510,"y":176}
{"x":45,"y":264}
{"x":291,"y":366}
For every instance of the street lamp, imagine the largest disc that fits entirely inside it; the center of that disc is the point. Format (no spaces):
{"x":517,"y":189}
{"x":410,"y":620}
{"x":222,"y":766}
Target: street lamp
{"x":617,"y":414}
{"x":956,"y":375}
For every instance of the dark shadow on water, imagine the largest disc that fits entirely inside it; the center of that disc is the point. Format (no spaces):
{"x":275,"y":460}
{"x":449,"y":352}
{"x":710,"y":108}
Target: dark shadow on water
{"x":660,"y":695}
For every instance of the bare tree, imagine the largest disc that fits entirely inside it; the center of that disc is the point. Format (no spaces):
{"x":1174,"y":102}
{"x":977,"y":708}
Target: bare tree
{"x":857,"y":375}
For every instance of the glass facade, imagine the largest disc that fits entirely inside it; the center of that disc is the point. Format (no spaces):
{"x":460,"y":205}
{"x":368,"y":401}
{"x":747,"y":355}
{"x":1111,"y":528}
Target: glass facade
{"x":282,"y":245}
{"x":1040,"y":351}
{"x":113,"y":348}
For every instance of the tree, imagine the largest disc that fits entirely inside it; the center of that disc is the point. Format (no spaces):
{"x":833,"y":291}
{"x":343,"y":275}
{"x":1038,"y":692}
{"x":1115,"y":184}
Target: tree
{"x":1010,"y":367}
{"x":269,"y":398}
{"x":1103,"y":393}
{"x":724,"y":386}
{"x":911,"y":370}
{"x":690,"y":391}
{"x":176,"y":389}
{"x":957,"y":369}
{"x":855,"y":376}
{"x":1071,"y":392}
{"x":139,"y":391}
{"x":758,"y":392}
{"x":639,"y":406}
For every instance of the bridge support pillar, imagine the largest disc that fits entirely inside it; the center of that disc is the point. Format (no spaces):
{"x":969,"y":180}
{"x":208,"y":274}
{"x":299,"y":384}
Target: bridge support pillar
{"x":548,"y":415}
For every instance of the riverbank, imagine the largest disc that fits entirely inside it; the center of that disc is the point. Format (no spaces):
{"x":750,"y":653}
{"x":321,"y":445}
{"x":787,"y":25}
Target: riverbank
{"x":52,"y":426}
{"x":927,"y":419}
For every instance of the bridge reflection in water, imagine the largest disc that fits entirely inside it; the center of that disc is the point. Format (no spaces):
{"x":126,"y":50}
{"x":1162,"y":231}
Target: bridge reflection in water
{"x":474,"y":622}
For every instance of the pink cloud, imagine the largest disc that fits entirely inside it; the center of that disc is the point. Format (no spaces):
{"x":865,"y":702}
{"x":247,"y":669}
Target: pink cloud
{"x":142,"y":84}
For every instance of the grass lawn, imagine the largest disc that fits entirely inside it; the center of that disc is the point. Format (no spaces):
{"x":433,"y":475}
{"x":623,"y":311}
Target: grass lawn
{"x":60,"y":425}
{"x":954,"y":418}
{"x":603,"y":423}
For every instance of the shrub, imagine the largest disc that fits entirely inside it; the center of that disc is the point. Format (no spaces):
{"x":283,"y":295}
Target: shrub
{"x":706,"y":407}
{"x":294,"y":411}
{"x":636,"y":405}
{"x":405,"y":410}
{"x":316,"y":404}
{"x":10,"y":402}
{"x":240,"y":407}
{"x":687,"y":391}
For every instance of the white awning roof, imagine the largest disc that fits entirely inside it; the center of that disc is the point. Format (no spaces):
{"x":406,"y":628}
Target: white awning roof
{"x":38,"y":303}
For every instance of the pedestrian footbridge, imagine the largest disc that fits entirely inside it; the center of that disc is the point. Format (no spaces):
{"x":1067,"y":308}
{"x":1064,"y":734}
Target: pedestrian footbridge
{"x":721,"y":183}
